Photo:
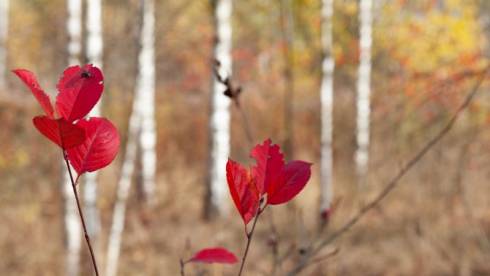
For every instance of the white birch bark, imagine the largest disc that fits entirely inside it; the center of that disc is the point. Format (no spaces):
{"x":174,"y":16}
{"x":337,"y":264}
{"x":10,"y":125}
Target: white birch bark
{"x":4,"y":20}
{"x":123,"y":188}
{"x":94,"y":48}
{"x":326,"y":99}
{"x":146,"y":88}
{"x":364,"y":90}
{"x":72,"y":220}
{"x":135,"y":128}
{"x":219,"y":123}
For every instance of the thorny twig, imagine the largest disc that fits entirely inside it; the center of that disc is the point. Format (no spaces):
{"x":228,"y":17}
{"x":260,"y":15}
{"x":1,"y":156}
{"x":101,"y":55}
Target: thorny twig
{"x":306,"y":260}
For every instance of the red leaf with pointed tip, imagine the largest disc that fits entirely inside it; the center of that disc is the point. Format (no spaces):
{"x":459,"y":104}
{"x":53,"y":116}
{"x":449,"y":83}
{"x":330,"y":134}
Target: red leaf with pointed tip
{"x":99,"y":148}
{"x":214,"y":255}
{"x":270,"y":161}
{"x":43,"y":99}
{"x":242,"y":190}
{"x":61,"y":132}
{"x":79,"y":89}
{"x":295,"y":175}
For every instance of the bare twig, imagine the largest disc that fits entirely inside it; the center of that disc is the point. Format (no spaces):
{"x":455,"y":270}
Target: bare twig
{"x":233,"y":92}
{"x":182,"y":267}
{"x":394,"y":181}
{"x":325,"y":256}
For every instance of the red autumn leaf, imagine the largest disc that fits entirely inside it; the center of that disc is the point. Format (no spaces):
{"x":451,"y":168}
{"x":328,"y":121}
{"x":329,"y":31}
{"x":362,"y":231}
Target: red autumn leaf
{"x":214,"y":255}
{"x":270,"y":161}
{"x":61,"y":132}
{"x":79,"y":89}
{"x":99,"y":148}
{"x":295,"y":175}
{"x":30,"y":80}
{"x":242,"y":190}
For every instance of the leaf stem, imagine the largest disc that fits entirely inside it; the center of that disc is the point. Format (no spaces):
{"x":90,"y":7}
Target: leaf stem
{"x":80,"y":212}
{"x":249,"y":238}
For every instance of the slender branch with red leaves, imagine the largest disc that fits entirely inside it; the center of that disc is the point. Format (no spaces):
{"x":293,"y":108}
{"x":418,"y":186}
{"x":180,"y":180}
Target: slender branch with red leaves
{"x":87,"y":144}
{"x":270,"y":182}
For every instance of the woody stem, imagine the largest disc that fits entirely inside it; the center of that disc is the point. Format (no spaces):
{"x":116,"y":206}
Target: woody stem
{"x":80,"y":212}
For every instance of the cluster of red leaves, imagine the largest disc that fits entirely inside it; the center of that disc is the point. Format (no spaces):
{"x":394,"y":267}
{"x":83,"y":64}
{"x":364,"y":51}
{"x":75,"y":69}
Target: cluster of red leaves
{"x":89,"y":143}
{"x":271,"y":180}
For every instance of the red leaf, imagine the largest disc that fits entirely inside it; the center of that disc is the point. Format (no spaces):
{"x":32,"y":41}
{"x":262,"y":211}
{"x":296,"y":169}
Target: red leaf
{"x":99,"y":148}
{"x":242,"y":190}
{"x":295,"y":176}
{"x":270,"y":161}
{"x":214,"y":255}
{"x":79,"y":89}
{"x":30,"y":80}
{"x":61,"y":132}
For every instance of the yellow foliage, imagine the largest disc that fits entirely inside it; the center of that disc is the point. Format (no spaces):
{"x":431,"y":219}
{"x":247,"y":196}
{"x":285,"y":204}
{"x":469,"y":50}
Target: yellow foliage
{"x":428,"y":40}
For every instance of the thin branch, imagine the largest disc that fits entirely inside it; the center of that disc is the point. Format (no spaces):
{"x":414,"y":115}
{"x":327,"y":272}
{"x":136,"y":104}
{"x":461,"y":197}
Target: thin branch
{"x":249,"y":239}
{"x":80,"y":212}
{"x":246,"y":124}
{"x":182,"y":267}
{"x":395,"y":180}
{"x":325,"y":257}
{"x":274,"y":244}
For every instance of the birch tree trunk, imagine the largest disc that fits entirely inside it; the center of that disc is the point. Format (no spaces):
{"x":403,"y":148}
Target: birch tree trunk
{"x":72,"y":221}
{"x":123,"y":187}
{"x":219,"y":122}
{"x":326,"y":99}
{"x":146,"y":88}
{"x":94,"y":48}
{"x":146,"y":56}
{"x":364,"y":90}
{"x":4,"y":20}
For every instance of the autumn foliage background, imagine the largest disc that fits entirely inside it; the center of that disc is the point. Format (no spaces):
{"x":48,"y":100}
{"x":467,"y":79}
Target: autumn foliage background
{"x":425,"y":57}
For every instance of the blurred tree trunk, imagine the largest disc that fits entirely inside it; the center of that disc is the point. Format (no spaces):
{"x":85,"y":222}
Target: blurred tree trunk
{"x":364,"y":91}
{"x":219,"y":121}
{"x":72,"y":219}
{"x":326,"y":96}
{"x":144,"y":86}
{"x":287,"y":33}
{"x":484,"y":19}
{"x":4,"y":20}
{"x":94,"y":49}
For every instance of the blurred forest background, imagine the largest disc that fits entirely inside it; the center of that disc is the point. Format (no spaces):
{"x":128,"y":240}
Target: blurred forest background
{"x":426,"y":56}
